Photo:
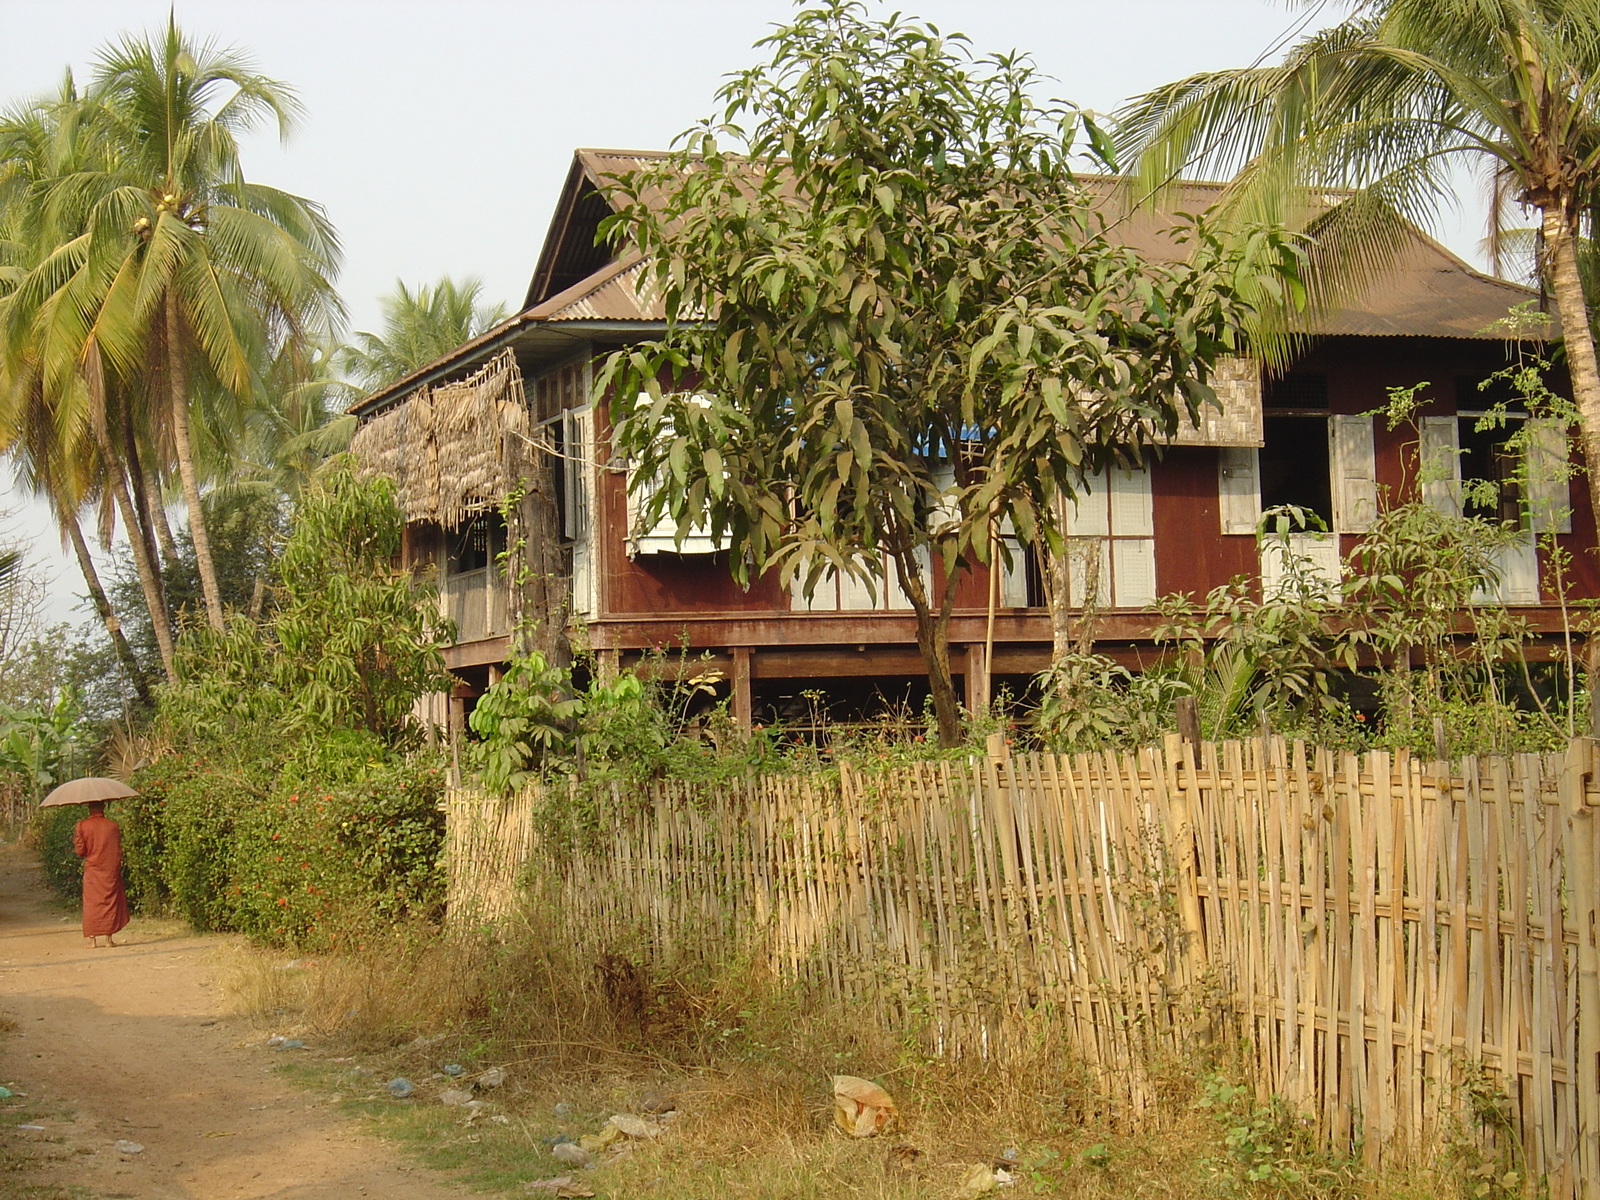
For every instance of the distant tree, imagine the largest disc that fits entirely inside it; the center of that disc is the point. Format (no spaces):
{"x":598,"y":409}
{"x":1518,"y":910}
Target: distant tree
{"x":894,"y":320}
{"x":420,"y":325}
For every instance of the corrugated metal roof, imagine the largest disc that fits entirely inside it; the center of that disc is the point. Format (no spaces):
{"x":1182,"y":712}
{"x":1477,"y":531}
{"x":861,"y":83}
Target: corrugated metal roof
{"x":1427,"y":292}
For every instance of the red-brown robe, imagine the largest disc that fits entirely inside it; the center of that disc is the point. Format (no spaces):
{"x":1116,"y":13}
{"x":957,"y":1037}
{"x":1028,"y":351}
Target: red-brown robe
{"x":97,"y":839}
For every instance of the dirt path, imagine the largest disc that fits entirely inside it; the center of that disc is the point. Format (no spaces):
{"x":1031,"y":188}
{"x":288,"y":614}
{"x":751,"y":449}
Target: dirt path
{"x":131,"y":1043}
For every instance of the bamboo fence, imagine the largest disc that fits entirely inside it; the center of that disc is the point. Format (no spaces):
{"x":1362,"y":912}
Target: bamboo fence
{"x":1379,"y":932}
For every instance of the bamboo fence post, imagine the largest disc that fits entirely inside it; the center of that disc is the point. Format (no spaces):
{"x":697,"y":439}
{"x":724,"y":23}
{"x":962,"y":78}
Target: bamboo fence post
{"x":1179,"y":755}
{"x":1582,"y":848}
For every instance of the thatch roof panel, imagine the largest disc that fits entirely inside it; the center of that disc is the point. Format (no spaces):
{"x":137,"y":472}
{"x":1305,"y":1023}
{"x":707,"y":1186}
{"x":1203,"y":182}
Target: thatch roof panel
{"x":452,"y":450}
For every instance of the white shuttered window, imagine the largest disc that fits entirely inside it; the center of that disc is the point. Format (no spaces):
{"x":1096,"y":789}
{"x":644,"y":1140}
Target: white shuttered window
{"x":837,"y":592}
{"x":1111,"y":541}
{"x":1238,"y":489}
{"x":1535,"y":493}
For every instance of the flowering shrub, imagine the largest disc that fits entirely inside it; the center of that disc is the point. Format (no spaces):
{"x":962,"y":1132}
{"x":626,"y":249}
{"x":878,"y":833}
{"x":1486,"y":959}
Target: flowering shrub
{"x":286,"y":847}
{"x":329,"y":850}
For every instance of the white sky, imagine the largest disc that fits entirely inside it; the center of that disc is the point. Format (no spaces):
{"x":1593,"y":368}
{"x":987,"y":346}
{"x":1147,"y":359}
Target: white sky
{"x":438,"y":133}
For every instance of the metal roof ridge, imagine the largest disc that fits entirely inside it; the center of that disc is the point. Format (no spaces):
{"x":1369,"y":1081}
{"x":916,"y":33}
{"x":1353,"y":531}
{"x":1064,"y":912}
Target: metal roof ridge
{"x":587,"y":286}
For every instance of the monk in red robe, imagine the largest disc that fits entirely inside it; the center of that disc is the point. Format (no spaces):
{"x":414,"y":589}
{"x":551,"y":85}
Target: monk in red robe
{"x":97,"y":839}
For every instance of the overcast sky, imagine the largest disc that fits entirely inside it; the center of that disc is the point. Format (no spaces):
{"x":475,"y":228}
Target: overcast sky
{"x":437,"y":134}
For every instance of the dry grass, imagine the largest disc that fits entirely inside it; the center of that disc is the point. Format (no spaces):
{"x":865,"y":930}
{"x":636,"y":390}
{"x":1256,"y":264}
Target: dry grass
{"x":748,"y":1066}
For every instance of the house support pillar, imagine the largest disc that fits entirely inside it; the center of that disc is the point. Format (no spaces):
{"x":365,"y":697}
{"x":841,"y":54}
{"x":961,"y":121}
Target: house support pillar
{"x":741,"y":702}
{"x":976,"y":676}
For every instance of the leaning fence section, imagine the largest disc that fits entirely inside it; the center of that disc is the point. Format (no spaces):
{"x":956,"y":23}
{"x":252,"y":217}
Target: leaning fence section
{"x":1379,"y":932}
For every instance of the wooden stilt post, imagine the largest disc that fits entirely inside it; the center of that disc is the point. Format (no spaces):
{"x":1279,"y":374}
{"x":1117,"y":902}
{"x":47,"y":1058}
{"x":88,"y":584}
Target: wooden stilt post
{"x":977,"y":680}
{"x":1188,"y":712}
{"x":740,"y":684}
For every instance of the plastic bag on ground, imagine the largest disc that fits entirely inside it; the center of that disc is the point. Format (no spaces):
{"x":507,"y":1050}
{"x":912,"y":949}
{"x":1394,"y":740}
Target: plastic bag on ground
{"x":860,"y":1107}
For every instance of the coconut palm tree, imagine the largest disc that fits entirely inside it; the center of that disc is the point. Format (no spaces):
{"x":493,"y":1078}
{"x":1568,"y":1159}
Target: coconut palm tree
{"x":419,"y":326}
{"x":177,"y":270}
{"x":59,"y":446}
{"x":1388,"y":104}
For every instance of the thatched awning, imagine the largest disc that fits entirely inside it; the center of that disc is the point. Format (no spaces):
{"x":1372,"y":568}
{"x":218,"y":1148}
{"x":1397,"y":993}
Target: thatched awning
{"x":455,"y":449}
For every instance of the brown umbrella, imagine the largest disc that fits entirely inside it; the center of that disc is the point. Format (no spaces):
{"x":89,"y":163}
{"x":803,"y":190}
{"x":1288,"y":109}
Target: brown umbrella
{"x":82,"y":791}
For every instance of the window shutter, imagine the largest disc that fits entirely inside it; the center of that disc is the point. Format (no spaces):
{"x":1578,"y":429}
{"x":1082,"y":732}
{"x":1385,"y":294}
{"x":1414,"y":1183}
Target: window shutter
{"x":1321,"y":552}
{"x":946,"y":514}
{"x":577,"y":438}
{"x":1440,"y":464}
{"x":583,"y":589}
{"x":1086,"y":512}
{"x":1238,"y":489}
{"x":890,"y":593}
{"x":1355,"y":484}
{"x":569,"y":475}
{"x":1549,"y":477}
{"x":662,"y":538}
{"x":1517,"y":565}
{"x":1086,"y":555}
{"x":1133,"y":564}
{"x":1014,"y":575}
{"x":1132,"y":511}
{"x":824,"y":599}
{"x":855,"y":595}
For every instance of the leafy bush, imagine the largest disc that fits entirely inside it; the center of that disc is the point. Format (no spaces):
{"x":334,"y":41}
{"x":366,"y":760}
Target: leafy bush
{"x":644,"y":723}
{"x":350,"y":838}
{"x":288,"y":791}
{"x":287,"y":849}
{"x":63,"y":870}
{"x":178,"y":837}
{"x":351,"y":641}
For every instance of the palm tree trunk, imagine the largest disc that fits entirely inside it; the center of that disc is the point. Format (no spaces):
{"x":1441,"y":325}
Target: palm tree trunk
{"x":141,"y":498}
{"x":1566,"y":286}
{"x":158,"y":516}
{"x":151,"y":509}
{"x":143,"y":562}
{"x":102,"y":606}
{"x":177,"y":394}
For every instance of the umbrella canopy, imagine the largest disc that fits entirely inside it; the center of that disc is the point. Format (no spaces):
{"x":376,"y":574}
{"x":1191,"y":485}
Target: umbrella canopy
{"x":82,"y":791}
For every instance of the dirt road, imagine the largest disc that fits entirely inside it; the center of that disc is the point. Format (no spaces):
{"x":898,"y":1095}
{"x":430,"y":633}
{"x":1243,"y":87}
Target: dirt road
{"x":132,"y":1044}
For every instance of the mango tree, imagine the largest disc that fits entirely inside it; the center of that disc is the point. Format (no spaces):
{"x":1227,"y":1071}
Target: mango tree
{"x":895,"y":320}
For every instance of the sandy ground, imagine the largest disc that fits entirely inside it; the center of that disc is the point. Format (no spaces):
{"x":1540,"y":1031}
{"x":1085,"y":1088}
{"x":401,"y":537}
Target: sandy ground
{"x":133,"y":1043}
